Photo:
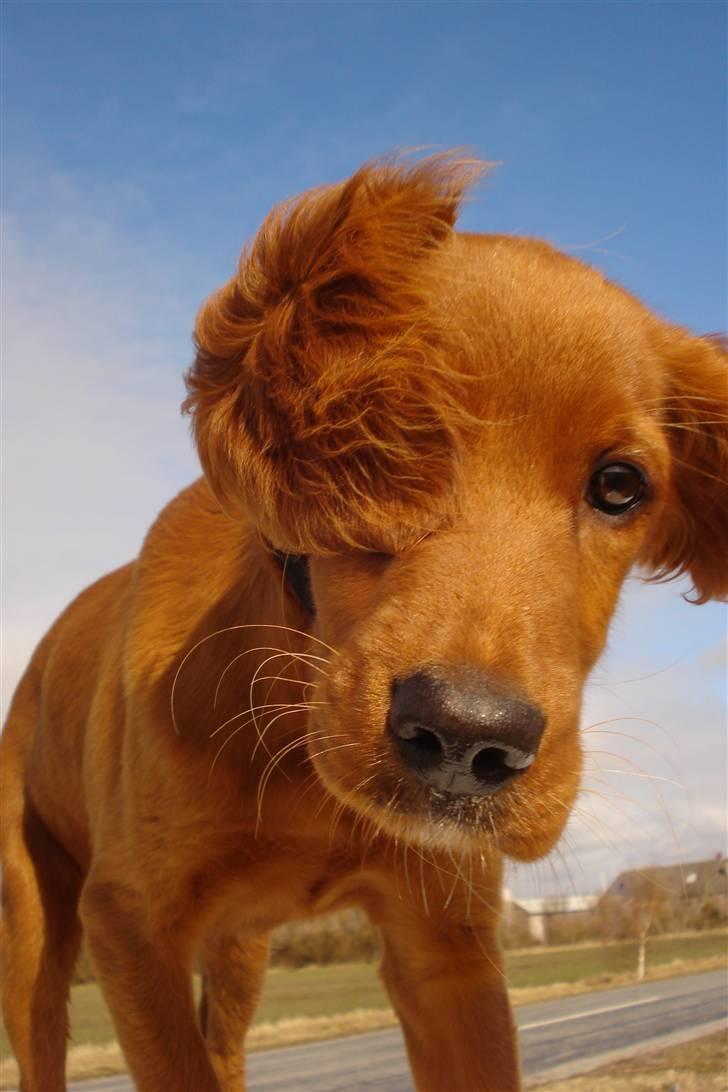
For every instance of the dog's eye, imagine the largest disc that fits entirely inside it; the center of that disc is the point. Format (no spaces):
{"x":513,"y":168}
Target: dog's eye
{"x":617,"y":488}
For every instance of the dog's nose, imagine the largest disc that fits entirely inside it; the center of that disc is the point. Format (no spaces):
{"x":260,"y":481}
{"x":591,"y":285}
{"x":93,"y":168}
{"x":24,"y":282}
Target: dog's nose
{"x":462,"y":730}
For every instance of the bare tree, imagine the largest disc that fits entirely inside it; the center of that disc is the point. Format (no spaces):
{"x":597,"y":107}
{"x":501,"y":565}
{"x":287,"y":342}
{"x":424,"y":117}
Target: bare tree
{"x":645,"y":899}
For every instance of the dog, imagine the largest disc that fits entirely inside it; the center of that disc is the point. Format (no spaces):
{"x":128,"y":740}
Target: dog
{"x":347,"y":666}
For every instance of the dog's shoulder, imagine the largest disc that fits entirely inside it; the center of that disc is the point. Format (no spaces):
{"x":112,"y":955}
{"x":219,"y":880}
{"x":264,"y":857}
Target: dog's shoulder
{"x":195,"y":566}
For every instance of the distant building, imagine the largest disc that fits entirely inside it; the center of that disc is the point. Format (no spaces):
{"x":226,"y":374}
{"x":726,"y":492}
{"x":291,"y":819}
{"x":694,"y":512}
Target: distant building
{"x":692,"y":895}
{"x":696,"y":880}
{"x":538,"y":915}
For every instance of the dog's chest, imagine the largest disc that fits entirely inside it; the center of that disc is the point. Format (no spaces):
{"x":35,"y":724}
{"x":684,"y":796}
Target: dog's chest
{"x":288,"y":883}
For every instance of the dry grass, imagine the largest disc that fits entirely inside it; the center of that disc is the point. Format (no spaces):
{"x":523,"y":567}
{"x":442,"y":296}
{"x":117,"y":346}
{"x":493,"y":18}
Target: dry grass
{"x":99,"y":1060}
{"x":301,"y":1029}
{"x":700,"y":1065}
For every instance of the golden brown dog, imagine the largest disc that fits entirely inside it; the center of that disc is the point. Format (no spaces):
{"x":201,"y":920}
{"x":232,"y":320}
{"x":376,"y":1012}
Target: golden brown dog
{"x":471,"y":440}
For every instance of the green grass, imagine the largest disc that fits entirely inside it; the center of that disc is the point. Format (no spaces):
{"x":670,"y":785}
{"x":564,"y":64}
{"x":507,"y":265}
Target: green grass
{"x":310,"y":991}
{"x":320,"y":991}
{"x":541,"y":967}
{"x":339,"y":988}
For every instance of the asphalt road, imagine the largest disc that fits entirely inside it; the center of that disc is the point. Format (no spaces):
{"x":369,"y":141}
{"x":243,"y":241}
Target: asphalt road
{"x":557,"y":1038}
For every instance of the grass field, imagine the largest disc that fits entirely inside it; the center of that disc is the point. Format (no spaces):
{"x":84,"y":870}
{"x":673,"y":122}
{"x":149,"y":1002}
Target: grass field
{"x":542,"y":967}
{"x":342,"y":988}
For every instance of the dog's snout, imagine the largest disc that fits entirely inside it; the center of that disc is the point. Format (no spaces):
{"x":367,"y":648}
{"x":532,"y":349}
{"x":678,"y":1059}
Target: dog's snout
{"x":462,"y":730}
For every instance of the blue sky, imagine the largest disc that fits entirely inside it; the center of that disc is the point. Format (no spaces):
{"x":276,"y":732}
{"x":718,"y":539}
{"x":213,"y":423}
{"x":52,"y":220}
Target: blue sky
{"x":144,"y":142}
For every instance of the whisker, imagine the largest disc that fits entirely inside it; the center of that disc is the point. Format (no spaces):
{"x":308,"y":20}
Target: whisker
{"x":641,"y":743}
{"x":422,"y":882}
{"x":287,"y":678}
{"x":700,"y":470}
{"x":269,"y":659}
{"x":305,"y":656}
{"x":633,"y":738}
{"x":338,"y":747}
{"x":280,"y":755}
{"x":644,"y":776}
{"x":260,"y":708}
{"x":636,"y":770}
{"x":239,"y":728}
{"x":614,"y":798}
{"x":232,"y":629}
{"x":295,"y":663}
{"x":270,"y":767}
{"x":619,"y":720}
{"x":261,"y":742}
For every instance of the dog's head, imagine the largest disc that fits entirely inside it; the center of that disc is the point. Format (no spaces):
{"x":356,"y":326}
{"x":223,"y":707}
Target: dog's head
{"x":473,"y":439}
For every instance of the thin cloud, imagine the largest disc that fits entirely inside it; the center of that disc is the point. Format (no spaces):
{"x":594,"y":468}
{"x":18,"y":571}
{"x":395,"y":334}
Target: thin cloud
{"x":93,"y":439}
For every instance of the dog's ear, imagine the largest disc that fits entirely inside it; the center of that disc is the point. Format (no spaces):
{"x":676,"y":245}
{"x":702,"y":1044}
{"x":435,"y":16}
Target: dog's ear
{"x":323,"y":394}
{"x":693,"y":534}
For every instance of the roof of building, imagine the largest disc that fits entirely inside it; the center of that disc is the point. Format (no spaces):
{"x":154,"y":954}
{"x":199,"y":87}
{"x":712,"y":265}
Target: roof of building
{"x":694,"y":879}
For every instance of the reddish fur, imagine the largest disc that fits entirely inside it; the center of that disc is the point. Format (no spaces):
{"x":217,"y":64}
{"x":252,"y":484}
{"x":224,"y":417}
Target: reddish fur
{"x":692,"y":538}
{"x":347,"y":383}
{"x":370,"y":383}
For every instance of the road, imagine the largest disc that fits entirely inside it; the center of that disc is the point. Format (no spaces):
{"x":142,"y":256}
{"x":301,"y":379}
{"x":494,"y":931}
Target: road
{"x":557,"y":1038}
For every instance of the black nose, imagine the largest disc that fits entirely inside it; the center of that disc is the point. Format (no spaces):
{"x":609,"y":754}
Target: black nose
{"x":462,"y":730}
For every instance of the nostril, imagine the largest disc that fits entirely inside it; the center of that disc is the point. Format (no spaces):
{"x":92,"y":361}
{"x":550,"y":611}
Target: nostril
{"x":462,"y":731}
{"x":419,"y":746}
{"x":494,"y":765}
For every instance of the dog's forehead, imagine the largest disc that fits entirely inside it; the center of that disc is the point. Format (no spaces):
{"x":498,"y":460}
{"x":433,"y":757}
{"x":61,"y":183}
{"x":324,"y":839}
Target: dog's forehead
{"x":542,"y":327}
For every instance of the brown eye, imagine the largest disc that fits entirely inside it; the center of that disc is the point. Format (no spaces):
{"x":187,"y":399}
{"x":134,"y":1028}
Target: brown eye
{"x":616,"y":488}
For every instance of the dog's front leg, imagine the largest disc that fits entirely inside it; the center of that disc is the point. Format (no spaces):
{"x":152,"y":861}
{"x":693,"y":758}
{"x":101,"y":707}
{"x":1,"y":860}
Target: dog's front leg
{"x":233,"y":970}
{"x":146,"y":979}
{"x":447,"y":986}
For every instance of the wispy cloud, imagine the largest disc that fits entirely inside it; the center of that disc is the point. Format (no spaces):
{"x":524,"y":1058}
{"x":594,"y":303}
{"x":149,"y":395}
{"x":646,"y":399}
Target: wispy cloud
{"x":93,"y":441}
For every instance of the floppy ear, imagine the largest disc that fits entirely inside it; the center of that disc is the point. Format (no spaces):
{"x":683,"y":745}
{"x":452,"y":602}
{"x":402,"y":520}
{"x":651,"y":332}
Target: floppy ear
{"x":323,"y":394}
{"x":693,"y":535}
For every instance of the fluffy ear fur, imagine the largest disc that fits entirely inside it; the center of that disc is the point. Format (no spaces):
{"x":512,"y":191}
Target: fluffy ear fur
{"x":324,"y":398}
{"x":693,"y":537}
